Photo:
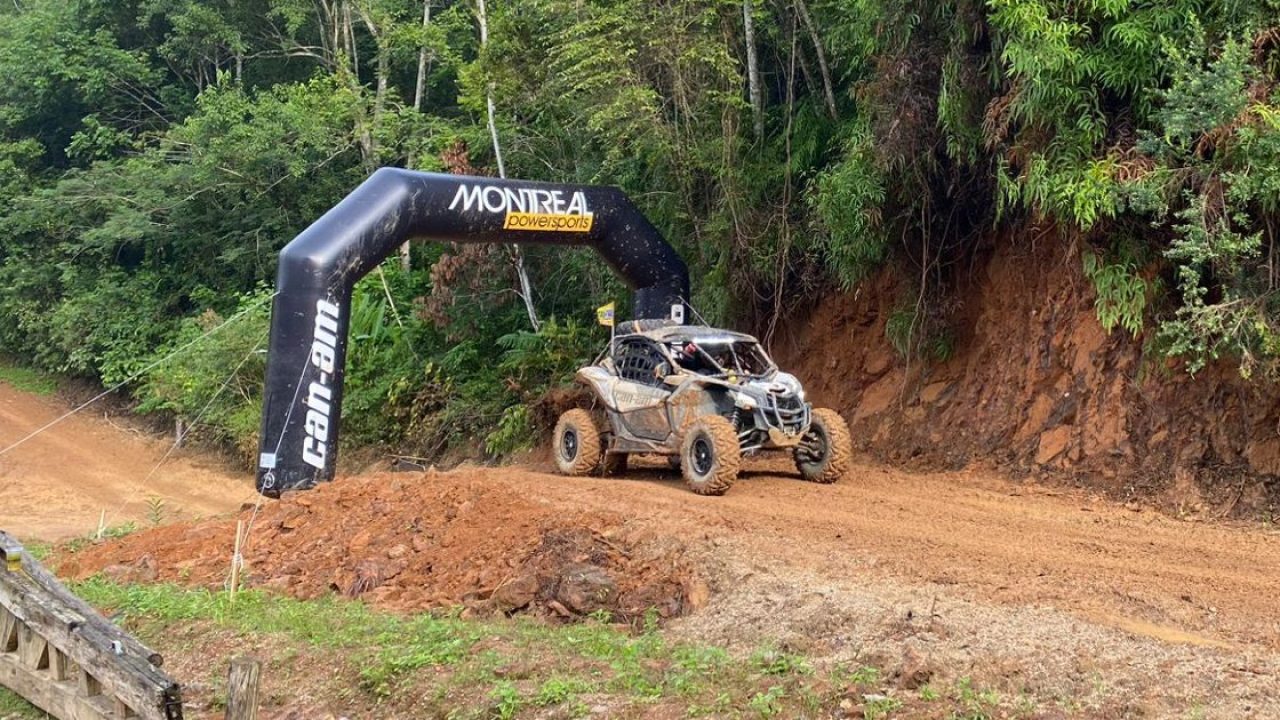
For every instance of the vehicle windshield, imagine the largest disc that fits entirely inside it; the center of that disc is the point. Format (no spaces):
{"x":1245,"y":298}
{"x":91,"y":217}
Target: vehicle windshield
{"x":720,"y":357}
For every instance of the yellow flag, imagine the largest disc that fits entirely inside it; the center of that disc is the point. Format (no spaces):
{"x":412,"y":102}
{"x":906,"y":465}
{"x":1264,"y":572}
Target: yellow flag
{"x":604,"y":315}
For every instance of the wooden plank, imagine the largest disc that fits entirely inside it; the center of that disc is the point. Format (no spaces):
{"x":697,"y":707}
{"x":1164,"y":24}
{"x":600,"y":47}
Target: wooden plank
{"x":33,"y":650}
{"x":242,"y":688}
{"x":61,"y":629}
{"x":58,"y":664}
{"x":46,"y":580}
{"x":58,"y":699}
{"x":88,"y":684}
{"x":8,"y":631}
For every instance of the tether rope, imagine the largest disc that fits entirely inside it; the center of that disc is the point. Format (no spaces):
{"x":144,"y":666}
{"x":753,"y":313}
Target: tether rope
{"x":196,"y":421}
{"x":134,"y":376}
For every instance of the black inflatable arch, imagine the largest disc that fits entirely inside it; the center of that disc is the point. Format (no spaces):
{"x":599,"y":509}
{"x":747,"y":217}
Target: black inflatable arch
{"x":310,"y":316}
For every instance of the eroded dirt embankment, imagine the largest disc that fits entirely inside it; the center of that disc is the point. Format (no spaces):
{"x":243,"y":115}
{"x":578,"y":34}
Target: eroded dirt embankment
{"x":1035,"y":384}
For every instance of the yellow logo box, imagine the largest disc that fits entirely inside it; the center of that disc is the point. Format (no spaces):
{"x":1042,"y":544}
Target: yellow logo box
{"x":548,"y":222}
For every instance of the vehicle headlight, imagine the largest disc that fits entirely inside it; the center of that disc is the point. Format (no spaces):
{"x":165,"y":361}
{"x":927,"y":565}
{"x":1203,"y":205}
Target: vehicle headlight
{"x":744,"y":401}
{"x":790,"y":382}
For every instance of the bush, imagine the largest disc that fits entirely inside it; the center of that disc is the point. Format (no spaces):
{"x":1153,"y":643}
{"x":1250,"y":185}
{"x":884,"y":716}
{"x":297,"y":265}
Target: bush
{"x":214,"y":378}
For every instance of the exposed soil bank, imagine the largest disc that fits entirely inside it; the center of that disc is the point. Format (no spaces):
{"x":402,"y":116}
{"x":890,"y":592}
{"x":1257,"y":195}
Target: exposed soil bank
{"x":1034,"y":384}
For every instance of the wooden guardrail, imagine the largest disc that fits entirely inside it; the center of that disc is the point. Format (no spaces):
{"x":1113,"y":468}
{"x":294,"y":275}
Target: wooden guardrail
{"x":66,"y":659}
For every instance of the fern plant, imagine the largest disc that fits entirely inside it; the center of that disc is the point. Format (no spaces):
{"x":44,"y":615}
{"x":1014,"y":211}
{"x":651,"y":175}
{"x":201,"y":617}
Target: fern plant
{"x":1122,"y":293}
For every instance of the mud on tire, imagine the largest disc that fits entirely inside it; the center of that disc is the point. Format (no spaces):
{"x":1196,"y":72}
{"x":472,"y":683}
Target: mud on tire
{"x":576,"y":443}
{"x":710,"y":456}
{"x":826,"y":450}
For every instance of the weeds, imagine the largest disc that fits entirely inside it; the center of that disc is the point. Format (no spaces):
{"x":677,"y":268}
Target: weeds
{"x":510,"y":668}
{"x":768,"y":704}
{"x":109,"y":532}
{"x":877,"y":708}
{"x":771,"y":661}
{"x":13,"y":707}
{"x":506,"y":701}
{"x":922,"y":335}
{"x":38,"y":550}
{"x":27,"y":380}
{"x":156,"y":510}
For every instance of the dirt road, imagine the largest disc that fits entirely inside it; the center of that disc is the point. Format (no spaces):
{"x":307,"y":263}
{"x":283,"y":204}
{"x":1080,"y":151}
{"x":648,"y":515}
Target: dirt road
{"x":58,"y":484}
{"x":1086,"y":608}
{"x":1119,"y":611}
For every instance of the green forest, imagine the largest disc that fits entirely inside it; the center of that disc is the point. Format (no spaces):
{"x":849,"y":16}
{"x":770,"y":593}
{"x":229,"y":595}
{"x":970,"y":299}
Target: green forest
{"x":155,"y":155}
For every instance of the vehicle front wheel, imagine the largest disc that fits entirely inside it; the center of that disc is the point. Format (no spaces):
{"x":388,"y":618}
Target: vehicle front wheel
{"x":577,"y":443}
{"x":826,"y":450}
{"x":710,"y":456}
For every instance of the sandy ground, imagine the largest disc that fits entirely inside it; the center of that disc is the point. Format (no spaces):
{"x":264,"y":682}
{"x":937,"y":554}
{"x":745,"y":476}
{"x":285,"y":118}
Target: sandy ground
{"x":58,"y":484}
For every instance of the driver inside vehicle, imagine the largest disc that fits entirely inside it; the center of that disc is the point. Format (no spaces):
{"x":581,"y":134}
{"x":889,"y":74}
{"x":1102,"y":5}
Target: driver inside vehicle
{"x":691,"y":358}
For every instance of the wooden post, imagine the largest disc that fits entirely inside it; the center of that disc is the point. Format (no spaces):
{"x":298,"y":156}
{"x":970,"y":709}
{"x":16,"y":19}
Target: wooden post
{"x":236,"y":562}
{"x":242,"y":688}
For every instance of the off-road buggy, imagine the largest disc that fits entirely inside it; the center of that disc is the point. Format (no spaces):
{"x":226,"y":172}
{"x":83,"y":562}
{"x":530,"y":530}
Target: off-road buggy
{"x":701,"y":396}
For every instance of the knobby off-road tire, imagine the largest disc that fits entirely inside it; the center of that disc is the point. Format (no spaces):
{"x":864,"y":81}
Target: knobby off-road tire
{"x":576,"y":443}
{"x":710,"y":456}
{"x":826,"y":450}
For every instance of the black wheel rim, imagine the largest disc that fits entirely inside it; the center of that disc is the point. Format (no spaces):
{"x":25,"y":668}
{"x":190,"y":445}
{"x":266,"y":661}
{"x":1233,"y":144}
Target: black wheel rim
{"x":569,"y":444}
{"x":703,"y":456}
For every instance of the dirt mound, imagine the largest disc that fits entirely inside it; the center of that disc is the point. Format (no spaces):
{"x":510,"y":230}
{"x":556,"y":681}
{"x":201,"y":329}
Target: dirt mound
{"x":416,"y":541}
{"x":1034,"y":384}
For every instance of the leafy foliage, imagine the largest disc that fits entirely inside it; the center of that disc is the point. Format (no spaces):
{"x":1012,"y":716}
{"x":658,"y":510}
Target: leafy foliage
{"x":1121,"y":292}
{"x":155,"y":156}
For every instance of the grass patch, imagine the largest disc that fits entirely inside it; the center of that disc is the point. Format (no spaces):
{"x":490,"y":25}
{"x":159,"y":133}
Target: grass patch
{"x":13,"y":707}
{"x":26,"y":379}
{"x":444,"y":666}
{"x":111,"y":532}
{"x":39,"y":551}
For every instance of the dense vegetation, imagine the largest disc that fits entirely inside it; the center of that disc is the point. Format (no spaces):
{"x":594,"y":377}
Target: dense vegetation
{"x":155,"y":154}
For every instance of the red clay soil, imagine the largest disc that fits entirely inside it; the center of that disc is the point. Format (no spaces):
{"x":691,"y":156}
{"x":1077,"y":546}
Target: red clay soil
{"x":421,"y":541}
{"x":1036,"y":590}
{"x":424,"y":540}
{"x":1035,"y":384}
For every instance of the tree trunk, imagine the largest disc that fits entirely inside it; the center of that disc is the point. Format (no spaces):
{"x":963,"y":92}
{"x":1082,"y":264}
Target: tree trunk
{"x":825,"y":70}
{"x":421,"y":86}
{"x":753,"y":69}
{"x":526,"y":287}
{"x":349,"y":38}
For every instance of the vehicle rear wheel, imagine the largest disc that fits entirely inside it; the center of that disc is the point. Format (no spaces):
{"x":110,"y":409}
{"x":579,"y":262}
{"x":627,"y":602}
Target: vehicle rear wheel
{"x":710,"y":456}
{"x":826,"y":450}
{"x":613,"y":464}
{"x":576,"y":443}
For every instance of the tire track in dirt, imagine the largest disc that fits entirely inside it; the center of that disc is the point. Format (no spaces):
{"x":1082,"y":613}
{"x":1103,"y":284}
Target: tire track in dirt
{"x":57,"y":484}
